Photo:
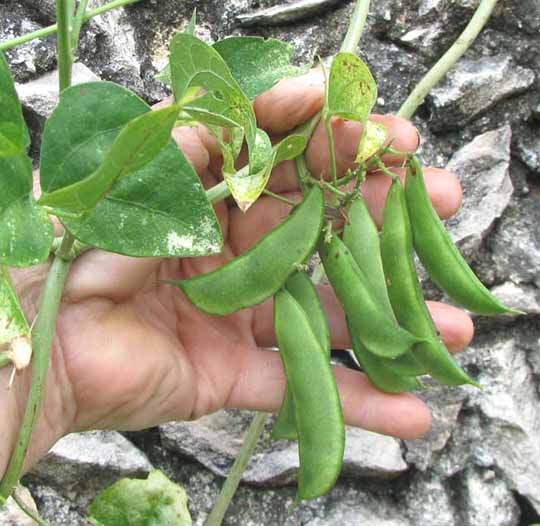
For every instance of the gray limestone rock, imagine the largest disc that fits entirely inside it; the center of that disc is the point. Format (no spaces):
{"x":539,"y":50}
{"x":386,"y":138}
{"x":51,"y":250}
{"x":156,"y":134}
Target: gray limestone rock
{"x":528,"y":148}
{"x":33,"y":58}
{"x":428,"y":500}
{"x":482,"y":167}
{"x":487,"y":500}
{"x":521,"y":297}
{"x":474,"y":86}
{"x":12,"y":515}
{"x":501,"y":425}
{"x":83,"y":464}
{"x":214,"y":441}
{"x":516,"y":242}
{"x":445,"y":404}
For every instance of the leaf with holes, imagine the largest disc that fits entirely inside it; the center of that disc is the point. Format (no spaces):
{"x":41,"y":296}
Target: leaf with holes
{"x":246,"y":188}
{"x":14,"y":138}
{"x":26,"y":234}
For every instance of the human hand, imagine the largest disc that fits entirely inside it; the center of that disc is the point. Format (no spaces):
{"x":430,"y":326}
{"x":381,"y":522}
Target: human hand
{"x":131,"y":352}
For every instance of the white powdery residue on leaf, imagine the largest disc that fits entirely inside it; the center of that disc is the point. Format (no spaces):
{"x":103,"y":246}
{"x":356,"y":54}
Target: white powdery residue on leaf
{"x":176,"y":242}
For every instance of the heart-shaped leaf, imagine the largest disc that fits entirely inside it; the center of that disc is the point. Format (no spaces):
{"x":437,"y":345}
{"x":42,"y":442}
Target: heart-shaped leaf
{"x":159,"y":210}
{"x":138,"y":143}
{"x":14,"y":137}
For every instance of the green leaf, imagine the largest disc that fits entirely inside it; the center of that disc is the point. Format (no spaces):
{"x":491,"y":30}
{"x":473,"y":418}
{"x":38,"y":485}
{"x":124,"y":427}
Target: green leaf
{"x":155,"y":501}
{"x":246,"y":188}
{"x":352,"y":90}
{"x":258,"y":64}
{"x":373,"y":139}
{"x":135,"y":146}
{"x":26,"y":234}
{"x":195,"y":63}
{"x":14,"y":137}
{"x":13,"y":322}
{"x":160,"y":210}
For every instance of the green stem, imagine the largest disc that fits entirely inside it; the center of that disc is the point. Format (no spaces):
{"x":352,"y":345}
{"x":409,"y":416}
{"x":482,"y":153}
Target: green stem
{"x":218,"y":193}
{"x":78,"y":22}
{"x":331,"y":147}
{"x":233,"y":480}
{"x":458,"y":48}
{"x":46,"y":31}
{"x":356,"y":26}
{"x":42,"y":339}
{"x":27,"y":511}
{"x":65,"y":58}
{"x":279,"y":197}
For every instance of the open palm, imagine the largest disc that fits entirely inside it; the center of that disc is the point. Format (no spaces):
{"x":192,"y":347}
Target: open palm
{"x":131,"y":352}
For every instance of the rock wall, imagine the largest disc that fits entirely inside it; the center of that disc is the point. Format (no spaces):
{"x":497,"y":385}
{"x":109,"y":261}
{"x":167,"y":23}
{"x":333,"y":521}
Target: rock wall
{"x":480,"y":464}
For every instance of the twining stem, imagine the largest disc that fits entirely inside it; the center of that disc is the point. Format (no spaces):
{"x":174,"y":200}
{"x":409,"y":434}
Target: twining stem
{"x":78,"y":22}
{"x":356,"y":26}
{"x":65,"y":57}
{"x":279,"y":197}
{"x":34,"y":516}
{"x":331,"y":147}
{"x":42,"y":339}
{"x":46,"y":31}
{"x":45,"y":325}
{"x":233,"y":480}
{"x":218,"y":193}
{"x":456,"y":51}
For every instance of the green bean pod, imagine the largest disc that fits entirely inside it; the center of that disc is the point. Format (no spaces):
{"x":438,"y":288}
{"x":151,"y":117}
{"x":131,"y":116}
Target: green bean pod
{"x":439,"y":254}
{"x":302,"y":289}
{"x":379,"y":371}
{"x":319,"y":417}
{"x":406,"y":294}
{"x":380,"y":334}
{"x":260,"y":272}
{"x":361,"y":237}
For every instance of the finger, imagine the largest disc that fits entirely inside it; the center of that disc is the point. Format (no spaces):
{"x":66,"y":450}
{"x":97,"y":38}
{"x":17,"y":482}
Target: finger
{"x":401,"y":133}
{"x":245,"y":229}
{"x":290,"y":102}
{"x":443,"y":187}
{"x":189,"y":141}
{"x":261,"y":386}
{"x":454,"y":325}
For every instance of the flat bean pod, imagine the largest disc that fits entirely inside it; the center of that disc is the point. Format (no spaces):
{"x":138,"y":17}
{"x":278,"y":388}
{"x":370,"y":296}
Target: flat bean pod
{"x":361,"y":237}
{"x":260,"y":272}
{"x":440,"y":256}
{"x":319,"y":416}
{"x":406,"y":294}
{"x":380,"y":334}
{"x":302,"y":289}
{"x":381,"y":373}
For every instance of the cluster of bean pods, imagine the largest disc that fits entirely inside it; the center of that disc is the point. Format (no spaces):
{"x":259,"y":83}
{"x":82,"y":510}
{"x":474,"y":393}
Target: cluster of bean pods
{"x":373,"y":275}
